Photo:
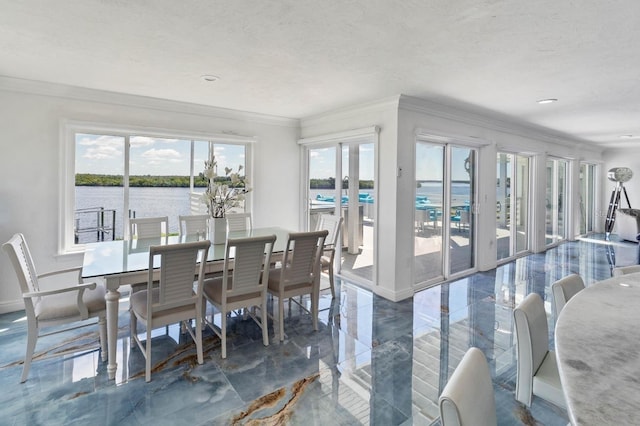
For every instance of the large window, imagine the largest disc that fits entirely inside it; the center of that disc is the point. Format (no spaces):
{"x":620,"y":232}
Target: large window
{"x":111,"y":176}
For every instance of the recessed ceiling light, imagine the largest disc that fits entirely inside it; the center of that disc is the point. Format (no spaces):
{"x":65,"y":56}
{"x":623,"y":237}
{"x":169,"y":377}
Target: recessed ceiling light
{"x":210,"y":77}
{"x":627,"y":136}
{"x":547,"y":101}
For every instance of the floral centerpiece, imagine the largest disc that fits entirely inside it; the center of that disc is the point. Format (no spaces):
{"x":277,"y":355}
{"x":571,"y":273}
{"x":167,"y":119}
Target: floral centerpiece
{"x":223,"y":192}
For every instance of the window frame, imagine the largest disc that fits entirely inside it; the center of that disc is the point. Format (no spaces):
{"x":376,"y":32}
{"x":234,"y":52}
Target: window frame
{"x":68,"y":131}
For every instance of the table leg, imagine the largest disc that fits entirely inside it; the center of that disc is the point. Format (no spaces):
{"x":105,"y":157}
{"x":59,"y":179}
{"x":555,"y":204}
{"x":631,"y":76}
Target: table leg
{"x":112,"y":299}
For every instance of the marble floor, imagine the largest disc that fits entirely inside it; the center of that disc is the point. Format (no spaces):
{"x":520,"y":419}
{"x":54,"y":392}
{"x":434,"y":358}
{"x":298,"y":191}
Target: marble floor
{"x":371,"y":362}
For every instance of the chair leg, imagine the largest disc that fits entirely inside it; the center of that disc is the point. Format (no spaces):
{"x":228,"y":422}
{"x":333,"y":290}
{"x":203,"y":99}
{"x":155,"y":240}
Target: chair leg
{"x":315,"y":295}
{"x":102,"y":327}
{"x":265,"y":326}
{"x":32,"y":338}
{"x":199,"y":338}
{"x":133,"y":326}
{"x":147,"y":349}
{"x":281,"y":317}
{"x":204,"y":312}
{"x":333,"y":291}
{"x":223,"y":332}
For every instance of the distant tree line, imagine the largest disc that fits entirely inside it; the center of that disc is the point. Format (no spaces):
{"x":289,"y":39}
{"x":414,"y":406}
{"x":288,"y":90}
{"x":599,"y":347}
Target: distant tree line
{"x":330,"y":183}
{"x":87,"y":179}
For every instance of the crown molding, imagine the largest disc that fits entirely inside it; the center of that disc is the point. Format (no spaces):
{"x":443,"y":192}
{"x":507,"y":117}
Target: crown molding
{"x":42,"y":88}
{"x":490,"y":122}
{"x":630,"y":144}
{"x":389,"y":103}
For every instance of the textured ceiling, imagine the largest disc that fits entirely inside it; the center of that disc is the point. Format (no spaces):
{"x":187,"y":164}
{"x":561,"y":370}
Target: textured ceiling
{"x":296,"y":58}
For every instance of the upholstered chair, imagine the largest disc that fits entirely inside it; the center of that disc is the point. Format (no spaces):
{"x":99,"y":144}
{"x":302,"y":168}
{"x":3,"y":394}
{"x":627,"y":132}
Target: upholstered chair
{"x":537,"y":372}
{"x":468,"y":399}
{"x":564,"y":289}
{"x":299,"y":274}
{"x":243,"y":283}
{"x":49,"y":308}
{"x":332,"y":224}
{"x":173,"y":300}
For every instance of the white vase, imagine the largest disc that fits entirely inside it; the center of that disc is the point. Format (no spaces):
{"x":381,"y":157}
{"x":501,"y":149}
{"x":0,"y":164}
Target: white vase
{"x":218,"y":230}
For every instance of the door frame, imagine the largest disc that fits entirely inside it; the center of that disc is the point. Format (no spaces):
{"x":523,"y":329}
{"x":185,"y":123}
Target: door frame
{"x":368,"y":135}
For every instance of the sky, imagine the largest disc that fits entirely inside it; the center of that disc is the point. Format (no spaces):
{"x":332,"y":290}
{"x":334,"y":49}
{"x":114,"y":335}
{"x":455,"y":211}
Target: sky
{"x":429,"y":162}
{"x":322,"y":162}
{"x":103,"y":154}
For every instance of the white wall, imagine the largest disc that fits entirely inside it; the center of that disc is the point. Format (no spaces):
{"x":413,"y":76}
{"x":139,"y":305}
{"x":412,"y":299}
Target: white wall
{"x":30,"y":120}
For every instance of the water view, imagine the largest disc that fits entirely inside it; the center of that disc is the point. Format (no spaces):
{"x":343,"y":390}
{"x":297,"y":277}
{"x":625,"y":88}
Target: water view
{"x":174,"y":201}
{"x":143,"y":202}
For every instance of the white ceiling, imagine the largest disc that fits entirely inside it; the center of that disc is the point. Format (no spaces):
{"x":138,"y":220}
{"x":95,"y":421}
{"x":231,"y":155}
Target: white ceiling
{"x":296,"y":58}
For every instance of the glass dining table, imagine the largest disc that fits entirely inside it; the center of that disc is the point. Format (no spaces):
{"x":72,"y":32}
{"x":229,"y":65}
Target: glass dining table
{"x":126,"y":262}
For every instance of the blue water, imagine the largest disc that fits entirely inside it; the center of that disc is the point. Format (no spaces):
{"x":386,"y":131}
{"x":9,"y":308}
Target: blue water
{"x":460,"y":192}
{"x":172,"y":202}
{"x":144,"y":202}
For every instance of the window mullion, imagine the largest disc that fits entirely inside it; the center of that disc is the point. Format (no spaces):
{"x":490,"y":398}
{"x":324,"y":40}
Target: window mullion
{"x":125,"y":186}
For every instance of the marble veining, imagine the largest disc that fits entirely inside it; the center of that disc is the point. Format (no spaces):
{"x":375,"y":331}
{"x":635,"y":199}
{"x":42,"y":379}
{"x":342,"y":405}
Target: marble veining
{"x":371,"y":362}
{"x":597,"y":342}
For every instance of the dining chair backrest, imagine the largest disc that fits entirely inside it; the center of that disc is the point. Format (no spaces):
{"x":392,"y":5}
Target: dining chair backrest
{"x":176,"y":274}
{"x":247,"y":261}
{"x":537,"y":369}
{"x":193,"y":224}
{"x":148,"y":227}
{"x":22,"y":262}
{"x":624,"y":270}
{"x":468,"y":398}
{"x":532,"y":332}
{"x":238,"y":221}
{"x":564,"y":289}
{"x":302,"y":257}
{"x":332,"y":224}
{"x":197,"y":206}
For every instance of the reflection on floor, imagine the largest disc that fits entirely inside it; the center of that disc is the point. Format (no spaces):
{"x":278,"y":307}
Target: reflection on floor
{"x":371,"y":362}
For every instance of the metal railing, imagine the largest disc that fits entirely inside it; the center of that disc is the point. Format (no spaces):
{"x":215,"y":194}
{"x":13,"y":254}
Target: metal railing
{"x":96,"y":220}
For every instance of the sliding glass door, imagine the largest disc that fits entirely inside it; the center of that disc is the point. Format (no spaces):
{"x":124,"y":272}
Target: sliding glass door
{"x":512,"y":205}
{"x":556,"y":201}
{"x":341,"y":181}
{"x":444,"y":222}
{"x":587,"y":198}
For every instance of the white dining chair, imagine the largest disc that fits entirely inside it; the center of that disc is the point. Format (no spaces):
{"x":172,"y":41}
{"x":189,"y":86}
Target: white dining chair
{"x":624,"y":270}
{"x":193,"y":224}
{"x":173,"y":299}
{"x":148,"y":227}
{"x":299,"y":274}
{"x":564,"y":289}
{"x":243,"y":283}
{"x":333,"y":224}
{"x":537,"y":368}
{"x":75,"y":302}
{"x":238,"y":222}
{"x":467,"y":398}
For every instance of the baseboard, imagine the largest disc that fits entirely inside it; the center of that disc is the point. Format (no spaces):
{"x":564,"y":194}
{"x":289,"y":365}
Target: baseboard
{"x":394,"y":296}
{"x":13,"y":306}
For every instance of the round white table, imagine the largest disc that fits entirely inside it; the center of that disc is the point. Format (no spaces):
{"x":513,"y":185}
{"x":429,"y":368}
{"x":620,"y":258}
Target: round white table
{"x":597,"y":345}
